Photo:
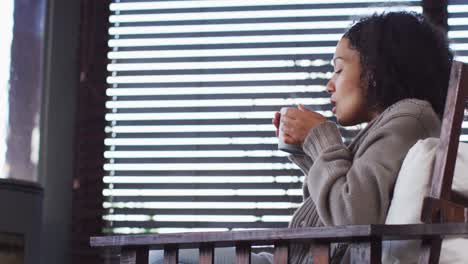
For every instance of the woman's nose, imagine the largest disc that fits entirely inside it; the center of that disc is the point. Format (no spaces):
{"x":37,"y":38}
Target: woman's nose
{"x":330,"y":88}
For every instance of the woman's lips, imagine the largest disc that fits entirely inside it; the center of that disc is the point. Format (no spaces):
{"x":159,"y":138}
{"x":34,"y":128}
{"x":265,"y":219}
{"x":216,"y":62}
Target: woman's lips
{"x":334,"y":110}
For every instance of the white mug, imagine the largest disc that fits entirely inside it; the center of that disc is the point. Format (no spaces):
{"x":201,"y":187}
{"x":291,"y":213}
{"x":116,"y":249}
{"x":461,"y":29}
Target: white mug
{"x":290,"y":148}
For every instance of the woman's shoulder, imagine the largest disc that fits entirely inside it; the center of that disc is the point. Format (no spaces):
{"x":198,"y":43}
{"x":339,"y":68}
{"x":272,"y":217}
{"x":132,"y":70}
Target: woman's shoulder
{"x":407,"y":121}
{"x":410,"y":106}
{"x":412,"y":113}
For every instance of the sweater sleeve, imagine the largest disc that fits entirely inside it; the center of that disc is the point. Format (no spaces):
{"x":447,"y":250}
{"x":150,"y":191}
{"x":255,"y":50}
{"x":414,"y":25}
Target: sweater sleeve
{"x":304,"y":162}
{"x":357,"y":189}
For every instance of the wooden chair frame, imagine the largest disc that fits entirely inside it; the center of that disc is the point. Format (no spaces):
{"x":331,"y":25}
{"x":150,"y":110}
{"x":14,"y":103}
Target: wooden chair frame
{"x":444,"y":214}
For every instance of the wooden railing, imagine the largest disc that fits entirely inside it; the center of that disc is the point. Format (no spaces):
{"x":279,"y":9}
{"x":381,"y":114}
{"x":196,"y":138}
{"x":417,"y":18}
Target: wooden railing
{"x":365,"y":241}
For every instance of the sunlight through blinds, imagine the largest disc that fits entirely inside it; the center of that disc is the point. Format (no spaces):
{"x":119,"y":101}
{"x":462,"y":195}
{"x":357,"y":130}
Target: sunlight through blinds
{"x":193,"y":86}
{"x":458,"y":35}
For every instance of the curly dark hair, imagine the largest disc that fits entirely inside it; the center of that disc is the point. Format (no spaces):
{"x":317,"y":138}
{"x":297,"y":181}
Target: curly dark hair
{"x":402,"y":56}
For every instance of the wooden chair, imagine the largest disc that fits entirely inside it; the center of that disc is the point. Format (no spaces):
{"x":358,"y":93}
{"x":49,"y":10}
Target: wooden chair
{"x":442,"y":205}
{"x":444,"y":213}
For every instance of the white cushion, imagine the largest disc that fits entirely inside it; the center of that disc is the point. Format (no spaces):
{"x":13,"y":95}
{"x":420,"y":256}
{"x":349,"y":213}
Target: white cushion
{"x":411,"y":186}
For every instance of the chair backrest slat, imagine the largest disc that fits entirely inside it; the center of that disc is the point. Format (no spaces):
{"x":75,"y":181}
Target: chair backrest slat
{"x":437,"y":206}
{"x":450,"y":132}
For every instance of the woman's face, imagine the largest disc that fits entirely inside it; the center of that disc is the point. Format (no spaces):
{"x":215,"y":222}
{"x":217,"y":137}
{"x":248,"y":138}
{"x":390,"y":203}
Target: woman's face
{"x":348,"y":96}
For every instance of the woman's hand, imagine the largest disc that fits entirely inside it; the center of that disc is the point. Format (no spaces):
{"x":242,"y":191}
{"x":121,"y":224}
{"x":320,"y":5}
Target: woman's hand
{"x":298,"y":122}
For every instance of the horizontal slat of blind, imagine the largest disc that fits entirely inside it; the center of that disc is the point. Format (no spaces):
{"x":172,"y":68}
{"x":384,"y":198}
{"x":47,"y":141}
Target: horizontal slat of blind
{"x":193,"y":86}
{"x":214,"y":198}
{"x":148,"y":223}
{"x":244,"y":185}
{"x":227,"y":212}
{"x":166,"y":5}
{"x":208,"y":173}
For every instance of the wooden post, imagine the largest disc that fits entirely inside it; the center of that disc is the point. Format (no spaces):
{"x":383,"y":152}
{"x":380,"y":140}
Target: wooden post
{"x":171,"y":255}
{"x":281,"y":253}
{"x":134,"y":255}
{"x":431,"y":248}
{"x":243,"y":254}
{"x":367,"y":252}
{"x":206,"y":254}
{"x":320,"y":253}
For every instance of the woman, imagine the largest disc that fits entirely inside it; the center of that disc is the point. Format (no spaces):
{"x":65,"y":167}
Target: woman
{"x":390,"y":70}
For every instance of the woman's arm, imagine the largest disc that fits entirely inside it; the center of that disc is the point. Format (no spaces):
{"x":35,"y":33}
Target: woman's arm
{"x":357,"y":190}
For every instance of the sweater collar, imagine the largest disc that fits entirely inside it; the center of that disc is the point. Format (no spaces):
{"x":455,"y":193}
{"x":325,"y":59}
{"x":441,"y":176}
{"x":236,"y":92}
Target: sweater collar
{"x":394,"y":108}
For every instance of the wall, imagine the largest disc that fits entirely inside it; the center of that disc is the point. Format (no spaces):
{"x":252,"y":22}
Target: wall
{"x":57,"y":128}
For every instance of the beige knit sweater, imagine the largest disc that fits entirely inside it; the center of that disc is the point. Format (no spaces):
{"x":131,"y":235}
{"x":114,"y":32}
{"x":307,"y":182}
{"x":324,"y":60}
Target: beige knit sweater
{"x":348,"y":185}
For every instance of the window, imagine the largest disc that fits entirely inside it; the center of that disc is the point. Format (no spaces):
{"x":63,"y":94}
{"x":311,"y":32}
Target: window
{"x":21,"y":77}
{"x":193,"y":86}
{"x":458,"y":35}
{"x":6,"y":30}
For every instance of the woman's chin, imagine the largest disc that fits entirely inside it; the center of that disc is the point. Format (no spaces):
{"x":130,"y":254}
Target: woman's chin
{"x":339,"y":118}
{"x":341,"y":123}
{"x":345,"y":122}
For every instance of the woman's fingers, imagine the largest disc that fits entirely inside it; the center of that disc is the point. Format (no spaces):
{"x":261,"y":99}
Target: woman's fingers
{"x":275,"y":121}
{"x":297,"y":122}
{"x":291,"y":113}
{"x":301,"y":113}
{"x":289,"y":131}
{"x":286,"y":120}
{"x":288,"y":139}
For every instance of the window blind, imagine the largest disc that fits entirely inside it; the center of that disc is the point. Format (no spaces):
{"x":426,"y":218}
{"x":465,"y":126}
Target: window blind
{"x":458,"y":35}
{"x":193,"y":86}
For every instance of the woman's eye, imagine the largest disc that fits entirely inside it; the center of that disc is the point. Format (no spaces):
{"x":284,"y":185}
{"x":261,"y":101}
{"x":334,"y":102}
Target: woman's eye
{"x":338,"y":71}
